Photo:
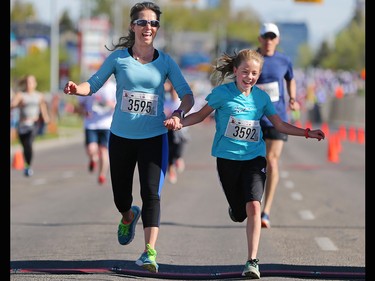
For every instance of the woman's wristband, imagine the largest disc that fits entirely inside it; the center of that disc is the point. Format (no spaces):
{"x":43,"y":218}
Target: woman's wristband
{"x":292,"y":100}
{"x":180,"y":112}
{"x":307,"y":130}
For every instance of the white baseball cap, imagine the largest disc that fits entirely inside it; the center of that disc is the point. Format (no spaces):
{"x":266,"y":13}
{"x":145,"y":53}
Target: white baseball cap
{"x":269,"y":27}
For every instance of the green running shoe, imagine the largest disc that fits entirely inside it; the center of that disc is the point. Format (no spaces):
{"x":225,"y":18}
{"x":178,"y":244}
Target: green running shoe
{"x":148,"y":259}
{"x":126,"y":232}
{"x":251,"y":269}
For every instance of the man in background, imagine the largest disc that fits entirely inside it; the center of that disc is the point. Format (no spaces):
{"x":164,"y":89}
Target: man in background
{"x":278,"y":81}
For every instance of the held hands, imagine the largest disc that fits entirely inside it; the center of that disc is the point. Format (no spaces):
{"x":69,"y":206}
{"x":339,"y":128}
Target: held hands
{"x":70,"y":88}
{"x":173,"y":123}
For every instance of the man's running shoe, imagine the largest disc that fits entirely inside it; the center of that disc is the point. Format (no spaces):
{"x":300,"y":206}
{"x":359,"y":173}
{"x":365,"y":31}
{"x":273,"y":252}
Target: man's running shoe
{"x":231,"y":214}
{"x":172,"y":175}
{"x":92,"y":166}
{"x":251,"y":269}
{"x":148,"y":259}
{"x":126,"y":232}
{"x":265,"y":220}
{"x":101,"y":179}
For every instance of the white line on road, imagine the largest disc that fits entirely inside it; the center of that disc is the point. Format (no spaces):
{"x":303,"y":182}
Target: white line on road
{"x":296,"y":196}
{"x":306,"y":215}
{"x":325,"y":244}
{"x":289,"y":184}
{"x":68,"y":174}
{"x":284,"y":174}
{"x":39,"y":182}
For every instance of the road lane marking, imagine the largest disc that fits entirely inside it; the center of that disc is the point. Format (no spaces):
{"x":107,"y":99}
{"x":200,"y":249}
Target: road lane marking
{"x":68,"y":174}
{"x":306,"y":215}
{"x":289,"y":184}
{"x":296,"y":196}
{"x":39,"y":182}
{"x":325,"y":244}
{"x":284,"y":174}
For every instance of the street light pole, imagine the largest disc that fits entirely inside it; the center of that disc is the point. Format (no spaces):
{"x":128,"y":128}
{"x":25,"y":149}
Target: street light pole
{"x":117,"y":16}
{"x":54,"y":67}
{"x":54,"y":60}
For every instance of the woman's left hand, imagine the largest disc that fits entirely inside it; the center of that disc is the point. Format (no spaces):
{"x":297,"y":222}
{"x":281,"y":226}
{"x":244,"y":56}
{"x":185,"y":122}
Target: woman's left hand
{"x":173,"y":123}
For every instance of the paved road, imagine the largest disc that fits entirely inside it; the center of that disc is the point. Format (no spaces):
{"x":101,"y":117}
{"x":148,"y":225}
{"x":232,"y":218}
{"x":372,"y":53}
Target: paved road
{"x":61,"y":218}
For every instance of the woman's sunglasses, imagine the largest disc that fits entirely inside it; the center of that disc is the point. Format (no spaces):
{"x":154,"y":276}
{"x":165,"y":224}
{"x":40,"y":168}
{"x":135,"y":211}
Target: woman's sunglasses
{"x":153,"y":23}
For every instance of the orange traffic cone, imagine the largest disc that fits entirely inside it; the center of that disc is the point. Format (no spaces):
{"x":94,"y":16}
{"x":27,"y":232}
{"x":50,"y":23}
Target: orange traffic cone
{"x":333,"y":152}
{"x":361,"y":135}
{"x":18,"y":161}
{"x":298,"y":124}
{"x":308,"y":124}
{"x":342,"y":132}
{"x":352,"y":134}
{"x":325,"y":129}
{"x":338,"y":142}
{"x":339,"y":92}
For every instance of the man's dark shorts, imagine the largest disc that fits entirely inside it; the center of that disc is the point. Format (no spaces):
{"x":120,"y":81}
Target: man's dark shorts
{"x":272,"y":134}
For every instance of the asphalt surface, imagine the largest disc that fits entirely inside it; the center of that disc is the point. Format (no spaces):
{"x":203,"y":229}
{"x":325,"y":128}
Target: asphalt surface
{"x":63,"y":224}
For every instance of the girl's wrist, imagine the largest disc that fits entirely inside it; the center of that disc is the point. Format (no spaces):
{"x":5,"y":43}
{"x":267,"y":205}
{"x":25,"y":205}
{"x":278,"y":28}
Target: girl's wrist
{"x":307,"y":130}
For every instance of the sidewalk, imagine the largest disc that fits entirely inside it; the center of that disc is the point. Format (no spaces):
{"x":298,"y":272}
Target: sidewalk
{"x":66,"y":136}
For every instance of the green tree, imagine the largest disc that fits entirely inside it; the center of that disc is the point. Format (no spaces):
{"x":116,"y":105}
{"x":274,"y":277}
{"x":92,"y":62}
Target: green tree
{"x":243,"y":25}
{"x":26,"y":65}
{"x":305,"y":56}
{"x":22,"y":12}
{"x":322,"y":54}
{"x":348,"y":50}
{"x":105,"y":8}
{"x":66,"y":23}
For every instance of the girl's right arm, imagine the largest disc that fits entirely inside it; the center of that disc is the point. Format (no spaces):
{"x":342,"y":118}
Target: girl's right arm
{"x":190,"y":119}
{"x":197,"y":117}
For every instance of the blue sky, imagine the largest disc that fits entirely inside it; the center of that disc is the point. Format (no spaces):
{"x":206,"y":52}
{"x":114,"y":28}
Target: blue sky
{"x":324,"y":19}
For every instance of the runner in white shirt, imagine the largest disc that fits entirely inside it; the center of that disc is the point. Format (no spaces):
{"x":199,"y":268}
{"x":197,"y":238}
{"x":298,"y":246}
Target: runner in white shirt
{"x":97,"y":111}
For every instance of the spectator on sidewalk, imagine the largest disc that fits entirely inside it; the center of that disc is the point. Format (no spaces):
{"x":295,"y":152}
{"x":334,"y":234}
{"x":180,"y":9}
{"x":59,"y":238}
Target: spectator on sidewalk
{"x":32,"y":106}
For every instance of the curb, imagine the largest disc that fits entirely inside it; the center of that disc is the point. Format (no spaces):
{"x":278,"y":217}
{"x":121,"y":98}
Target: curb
{"x":77,"y":137}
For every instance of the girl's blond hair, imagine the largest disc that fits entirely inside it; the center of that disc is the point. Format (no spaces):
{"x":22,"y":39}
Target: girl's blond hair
{"x":225,"y":64}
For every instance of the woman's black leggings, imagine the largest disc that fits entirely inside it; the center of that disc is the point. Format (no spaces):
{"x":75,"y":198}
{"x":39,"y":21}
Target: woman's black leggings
{"x":27,"y":140}
{"x":151,"y":157}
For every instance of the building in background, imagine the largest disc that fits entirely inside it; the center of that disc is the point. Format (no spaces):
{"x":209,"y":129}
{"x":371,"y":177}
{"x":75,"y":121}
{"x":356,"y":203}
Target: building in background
{"x":292,"y":36}
{"x":94,"y":35}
